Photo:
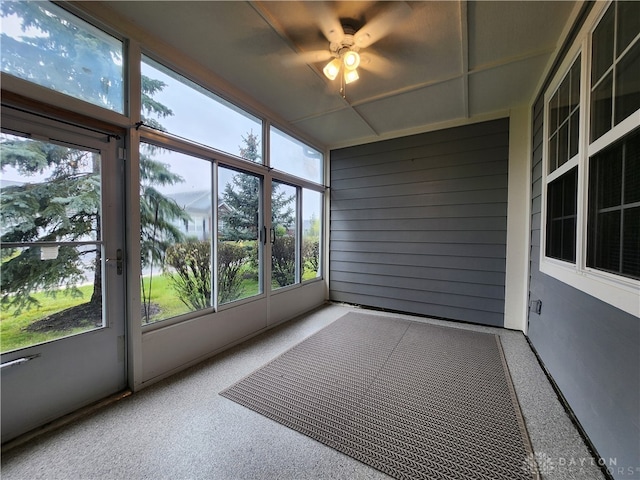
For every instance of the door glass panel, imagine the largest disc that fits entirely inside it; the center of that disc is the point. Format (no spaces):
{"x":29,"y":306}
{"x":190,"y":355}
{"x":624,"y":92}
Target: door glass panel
{"x":46,"y":45}
{"x":284,"y":249}
{"x":239,"y":220}
{"x":50,"y":225}
{"x":311,"y":233}
{"x":175,"y":221}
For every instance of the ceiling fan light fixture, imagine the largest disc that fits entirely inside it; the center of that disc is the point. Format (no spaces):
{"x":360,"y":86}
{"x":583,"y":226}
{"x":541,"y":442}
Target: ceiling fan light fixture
{"x":332,"y":69}
{"x":351,"y":76}
{"x":351,"y":60}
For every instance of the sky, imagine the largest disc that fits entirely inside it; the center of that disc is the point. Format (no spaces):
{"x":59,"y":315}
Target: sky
{"x":199,"y":116}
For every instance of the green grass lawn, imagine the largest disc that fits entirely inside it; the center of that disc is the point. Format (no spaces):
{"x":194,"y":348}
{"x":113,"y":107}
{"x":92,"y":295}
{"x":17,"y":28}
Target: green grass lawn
{"x":13,"y":328}
{"x":13,"y":333}
{"x":164,"y":297}
{"x":170,"y":305}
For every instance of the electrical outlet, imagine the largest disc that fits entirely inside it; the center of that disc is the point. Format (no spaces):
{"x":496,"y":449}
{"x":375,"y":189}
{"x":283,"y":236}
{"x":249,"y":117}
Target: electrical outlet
{"x":536,"y":306}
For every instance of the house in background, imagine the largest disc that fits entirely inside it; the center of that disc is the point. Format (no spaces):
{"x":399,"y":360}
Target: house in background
{"x":198,"y":206}
{"x":483,"y":168}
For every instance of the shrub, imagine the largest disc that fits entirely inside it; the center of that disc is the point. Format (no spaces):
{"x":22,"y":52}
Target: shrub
{"x":311,"y":255}
{"x":232,"y":257}
{"x":283,"y":254}
{"x":191,"y":272}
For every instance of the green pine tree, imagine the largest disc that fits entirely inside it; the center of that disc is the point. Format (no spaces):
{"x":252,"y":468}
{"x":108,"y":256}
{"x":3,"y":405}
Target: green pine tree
{"x":242,"y":196}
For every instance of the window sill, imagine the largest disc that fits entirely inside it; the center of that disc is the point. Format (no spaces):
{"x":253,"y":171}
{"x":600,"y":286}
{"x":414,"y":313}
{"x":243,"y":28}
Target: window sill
{"x":618,"y":292}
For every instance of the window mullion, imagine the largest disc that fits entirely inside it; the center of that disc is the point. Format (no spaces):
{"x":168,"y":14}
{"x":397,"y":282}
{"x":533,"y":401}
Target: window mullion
{"x":215,"y":236}
{"x":299,"y":229}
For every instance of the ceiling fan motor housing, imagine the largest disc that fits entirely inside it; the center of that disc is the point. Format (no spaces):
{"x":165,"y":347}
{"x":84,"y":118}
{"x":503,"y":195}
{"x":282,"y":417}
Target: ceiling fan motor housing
{"x":346,"y":44}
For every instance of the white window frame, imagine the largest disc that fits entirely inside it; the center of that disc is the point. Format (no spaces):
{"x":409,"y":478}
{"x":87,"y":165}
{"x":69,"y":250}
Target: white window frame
{"x":616,"y":290}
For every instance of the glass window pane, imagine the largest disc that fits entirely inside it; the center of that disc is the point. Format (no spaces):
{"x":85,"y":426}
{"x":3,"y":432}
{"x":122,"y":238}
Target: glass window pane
{"x":46,"y":45}
{"x":179,"y":106}
{"x":284,"y":235}
{"x":294,"y":157}
{"x":568,"y":251}
{"x":49,"y":193}
{"x":632,"y":170}
{"x":601,"y":104}
{"x":569,"y":197}
{"x":311,"y":233}
{"x":575,"y":83}
{"x":175,"y":218}
{"x":563,"y":144}
{"x":631,"y":243}
{"x":553,"y":112}
{"x":574,"y":133}
{"x":628,"y":84}
{"x":607,"y":243}
{"x":239,"y":221}
{"x":564,"y":100}
{"x":554,"y":239}
{"x":59,"y":304}
{"x":613,"y":214}
{"x":564,"y":119}
{"x":628,"y":24}
{"x":602,"y":54}
{"x":553,"y":152}
{"x":561,"y":217}
{"x":555,"y":197}
{"x":609,"y":178}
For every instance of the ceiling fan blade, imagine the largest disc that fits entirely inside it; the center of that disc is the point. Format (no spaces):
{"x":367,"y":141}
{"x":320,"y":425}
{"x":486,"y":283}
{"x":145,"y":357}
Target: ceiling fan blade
{"x":327,"y":20}
{"x":382,"y":24}
{"x":314,"y":56}
{"x":377,"y":64}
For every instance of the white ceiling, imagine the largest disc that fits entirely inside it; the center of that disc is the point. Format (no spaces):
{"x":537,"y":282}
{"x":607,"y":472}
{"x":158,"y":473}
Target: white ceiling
{"x":450,"y":60}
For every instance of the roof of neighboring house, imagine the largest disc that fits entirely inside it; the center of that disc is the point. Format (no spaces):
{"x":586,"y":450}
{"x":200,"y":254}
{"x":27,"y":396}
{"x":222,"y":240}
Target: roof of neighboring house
{"x":9,"y":183}
{"x":196,"y":201}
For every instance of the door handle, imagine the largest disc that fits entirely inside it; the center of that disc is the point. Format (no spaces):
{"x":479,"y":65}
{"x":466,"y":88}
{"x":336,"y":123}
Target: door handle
{"x":19,"y":361}
{"x":273,"y":235}
{"x":118,"y":260}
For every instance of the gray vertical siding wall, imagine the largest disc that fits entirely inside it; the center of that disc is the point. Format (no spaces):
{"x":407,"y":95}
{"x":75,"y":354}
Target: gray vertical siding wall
{"x":591,"y":349}
{"x":418,"y":224}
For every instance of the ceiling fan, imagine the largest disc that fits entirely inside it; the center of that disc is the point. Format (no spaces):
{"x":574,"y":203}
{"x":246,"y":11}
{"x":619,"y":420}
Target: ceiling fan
{"x":347,"y":39}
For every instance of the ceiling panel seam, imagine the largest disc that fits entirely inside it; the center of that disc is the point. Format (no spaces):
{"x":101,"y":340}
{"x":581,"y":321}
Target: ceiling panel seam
{"x":382,"y":96}
{"x":510,"y":60}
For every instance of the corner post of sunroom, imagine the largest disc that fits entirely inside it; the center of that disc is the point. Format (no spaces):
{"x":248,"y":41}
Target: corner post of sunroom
{"x":517,"y":268}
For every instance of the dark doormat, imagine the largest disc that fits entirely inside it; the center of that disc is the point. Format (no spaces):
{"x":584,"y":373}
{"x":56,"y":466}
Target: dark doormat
{"x":411,"y":399}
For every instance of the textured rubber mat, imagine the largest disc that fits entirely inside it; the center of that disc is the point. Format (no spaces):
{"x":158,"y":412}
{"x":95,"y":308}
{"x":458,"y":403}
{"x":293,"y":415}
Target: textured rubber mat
{"x":410,"y":399}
